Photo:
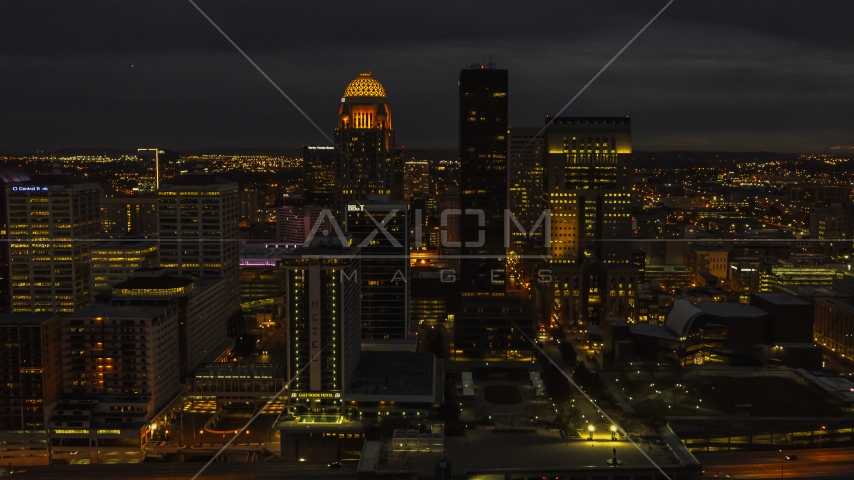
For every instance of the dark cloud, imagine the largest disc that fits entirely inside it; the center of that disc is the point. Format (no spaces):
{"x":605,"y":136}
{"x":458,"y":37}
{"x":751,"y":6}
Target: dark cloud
{"x":708,"y":74}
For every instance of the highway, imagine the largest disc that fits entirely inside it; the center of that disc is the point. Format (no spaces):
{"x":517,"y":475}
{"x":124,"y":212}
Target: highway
{"x":810,"y":463}
{"x":175,"y":470}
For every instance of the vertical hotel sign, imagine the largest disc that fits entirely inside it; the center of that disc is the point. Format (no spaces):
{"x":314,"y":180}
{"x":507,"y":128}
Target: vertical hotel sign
{"x":314,"y":325}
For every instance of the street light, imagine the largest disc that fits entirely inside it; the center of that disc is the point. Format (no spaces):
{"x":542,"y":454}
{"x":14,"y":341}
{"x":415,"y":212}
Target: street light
{"x":201,"y":437}
{"x":590,"y":429}
{"x":819,"y":436}
{"x":613,"y":432}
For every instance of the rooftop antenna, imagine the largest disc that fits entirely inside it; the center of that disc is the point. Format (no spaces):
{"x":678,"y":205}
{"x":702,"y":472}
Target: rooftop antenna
{"x":491,"y":64}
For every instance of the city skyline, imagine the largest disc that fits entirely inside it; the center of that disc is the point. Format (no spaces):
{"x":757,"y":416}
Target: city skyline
{"x":338,"y":300}
{"x":769,"y":78}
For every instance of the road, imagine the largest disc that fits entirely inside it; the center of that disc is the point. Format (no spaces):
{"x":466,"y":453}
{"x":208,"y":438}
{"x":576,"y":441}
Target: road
{"x":810,"y":463}
{"x":174,"y":470}
{"x":275,"y":344}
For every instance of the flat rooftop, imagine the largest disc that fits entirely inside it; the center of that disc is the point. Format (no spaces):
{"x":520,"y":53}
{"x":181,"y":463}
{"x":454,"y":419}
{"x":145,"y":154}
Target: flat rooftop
{"x":159,"y":282}
{"x":26,"y":318}
{"x":809,"y":291}
{"x":781,"y":299}
{"x":119,"y":311}
{"x":240,"y":370}
{"x":393,"y":374}
{"x":721,"y":309}
{"x":123,"y":245}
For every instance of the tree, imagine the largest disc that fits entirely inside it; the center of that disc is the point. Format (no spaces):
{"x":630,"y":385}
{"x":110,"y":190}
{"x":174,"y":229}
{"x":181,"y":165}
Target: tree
{"x":567,"y":352}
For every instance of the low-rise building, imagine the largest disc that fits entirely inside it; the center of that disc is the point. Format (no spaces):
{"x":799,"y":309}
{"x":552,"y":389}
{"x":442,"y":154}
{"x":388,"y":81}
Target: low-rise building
{"x":495,"y":329}
{"x":669,"y":277}
{"x":239,"y":384}
{"x":834,"y":327}
{"x":587,"y":293}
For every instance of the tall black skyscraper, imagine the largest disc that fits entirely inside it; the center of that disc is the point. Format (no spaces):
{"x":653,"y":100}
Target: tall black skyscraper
{"x":385,"y":264}
{"x":318,"y":174}
{"x":483,"y":179}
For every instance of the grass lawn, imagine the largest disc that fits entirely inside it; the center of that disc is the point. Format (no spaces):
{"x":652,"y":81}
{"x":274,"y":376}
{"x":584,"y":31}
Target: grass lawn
{"x":658,"y":408}
{"x":502,"y":394}
{"x":637,"y":387}
{"x":767,"y":396}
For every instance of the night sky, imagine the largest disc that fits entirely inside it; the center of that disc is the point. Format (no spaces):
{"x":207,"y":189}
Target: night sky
{"x":707,"y":75}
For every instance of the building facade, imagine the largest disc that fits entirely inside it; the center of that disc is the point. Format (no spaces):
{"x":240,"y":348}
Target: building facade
{"x":114,"y":262}
{"x":834,"y":327}
{"x":198,"y":220}
{"x":120,"y":367}
{"x":51,"y":221}
{"x":525,"y":192}
{"x":318,"y":175}
{"x":324,"y":330}
{"x":483,"y":180}
{"x":589,"y":173}
{"x":385,"y":264}
{"x":129,"y":215}
{"x":202,"y":334}
{"x":366,"y":163}
{"x":7,"y":176}
{"x":295,"y":220}
{"x":587,"y":293}
{"x":32,"y":377}
{"x":494,"y":329}
{"x":417,"y":182}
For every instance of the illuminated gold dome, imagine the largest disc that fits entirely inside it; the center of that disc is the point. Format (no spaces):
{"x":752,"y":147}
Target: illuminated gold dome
{"x":364,"y":86}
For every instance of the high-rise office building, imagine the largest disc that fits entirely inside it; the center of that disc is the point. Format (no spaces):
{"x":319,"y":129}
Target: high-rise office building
{"x":250,"y":204}
{"x":525,"y":192}
{"x":115,"y":261}
{"x":296,"y":218}
{"x":366,"y":163}
{"x":7,"y":176}
{"x":201,"y":311}
{"x":122,"y":351}
{"x":451,"y":225}
{"x":32,"y":374}
{"x":589,"y":185}
{"x":324,"y":317}
{"x":129,"y":214}
{"x":51,"y":219}
{"x":385,"y":264}
{"x":198,"y":223}
{"x":417,"y":182}
{"x":483,"y":179}
{"x":318,"y":175}
{"x":121,"y":368}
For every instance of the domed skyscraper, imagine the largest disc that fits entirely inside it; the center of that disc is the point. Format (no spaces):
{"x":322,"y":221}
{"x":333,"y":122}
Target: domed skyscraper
{"x":369,"y":189}
{"x":366,"y":160}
